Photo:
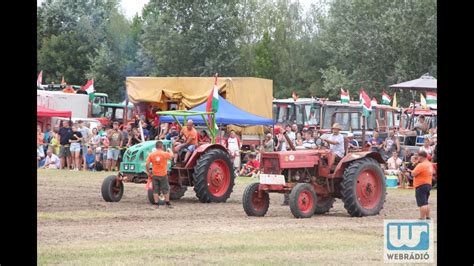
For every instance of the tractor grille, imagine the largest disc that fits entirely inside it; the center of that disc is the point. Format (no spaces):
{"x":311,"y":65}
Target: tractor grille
{"x":271,"y":166}
{"x":131,"y":155}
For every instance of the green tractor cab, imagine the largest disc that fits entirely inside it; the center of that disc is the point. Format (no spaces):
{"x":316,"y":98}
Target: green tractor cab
{"x":209,"y":169}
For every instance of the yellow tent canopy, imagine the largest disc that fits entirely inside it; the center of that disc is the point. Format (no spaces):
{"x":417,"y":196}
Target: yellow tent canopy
{"x":253,"y":95}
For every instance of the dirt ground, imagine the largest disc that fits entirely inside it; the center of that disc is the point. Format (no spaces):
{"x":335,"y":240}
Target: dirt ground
{"x":71,"y":211}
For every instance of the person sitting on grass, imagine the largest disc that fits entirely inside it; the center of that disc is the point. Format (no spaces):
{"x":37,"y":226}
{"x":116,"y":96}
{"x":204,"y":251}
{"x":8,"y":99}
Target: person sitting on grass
{"x":251,"y":168}
{"x":407,"y":168}
{"x":52,"y":161}
{"x":90,"y":159}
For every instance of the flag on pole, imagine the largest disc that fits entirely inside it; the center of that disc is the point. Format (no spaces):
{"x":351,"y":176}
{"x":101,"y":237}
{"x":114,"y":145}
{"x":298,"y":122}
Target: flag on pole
{"x":373,"y":102}
{"x":394,"y":104}
{"x":423,"y":101}
{"x":212,"y":104}
{"x":89,"y":87}
{"x":344,"y":96}
{"x":364,"y":100}
{"x":386,"y":98}
{"x":63,"y":82}
{"x":432,"y":99}
{"x":39,"y":81}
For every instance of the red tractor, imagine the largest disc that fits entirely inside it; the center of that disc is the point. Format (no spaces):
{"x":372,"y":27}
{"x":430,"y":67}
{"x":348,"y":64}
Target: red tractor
{"x":313,"y":180}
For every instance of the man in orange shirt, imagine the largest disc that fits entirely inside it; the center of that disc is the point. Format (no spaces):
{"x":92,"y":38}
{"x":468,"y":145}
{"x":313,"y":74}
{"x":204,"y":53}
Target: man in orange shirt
{"x":190,"y":136}
{"x":159,"y":160}
{"x":422,"y":177}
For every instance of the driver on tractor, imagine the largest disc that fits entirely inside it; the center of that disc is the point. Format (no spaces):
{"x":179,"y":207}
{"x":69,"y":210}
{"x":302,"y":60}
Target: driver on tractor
{"x":189,"y":138}
{"x":336,"y":141}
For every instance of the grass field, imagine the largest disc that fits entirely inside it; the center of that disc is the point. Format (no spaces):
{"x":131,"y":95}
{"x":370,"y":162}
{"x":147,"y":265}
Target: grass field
{"x":75,"y":226}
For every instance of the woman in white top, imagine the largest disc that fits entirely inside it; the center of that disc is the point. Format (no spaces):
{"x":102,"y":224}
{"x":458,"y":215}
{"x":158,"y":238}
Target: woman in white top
{"x":426,"y":147}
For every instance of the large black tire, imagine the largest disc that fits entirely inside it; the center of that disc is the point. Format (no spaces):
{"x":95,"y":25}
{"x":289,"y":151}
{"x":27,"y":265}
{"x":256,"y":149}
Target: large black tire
{"x":201,"y":185}
{"x":303,"y":200}
{"x":254,"y":206}
{"x":358,"y":205}
{"x":323,"y":205}
{"x":110,"y":192}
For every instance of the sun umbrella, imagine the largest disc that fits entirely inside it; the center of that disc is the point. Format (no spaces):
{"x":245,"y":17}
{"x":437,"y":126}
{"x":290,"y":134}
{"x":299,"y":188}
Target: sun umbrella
{"x":425,"y":82}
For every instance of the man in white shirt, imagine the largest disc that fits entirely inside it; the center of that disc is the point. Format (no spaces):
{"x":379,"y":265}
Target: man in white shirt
{"x":52,"y":161}
{"x":234,"y":145}
{"x":336,"y":141}
{"x":290,"y":134}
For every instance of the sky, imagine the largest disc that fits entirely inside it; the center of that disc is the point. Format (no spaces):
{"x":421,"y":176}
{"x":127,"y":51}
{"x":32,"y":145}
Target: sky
{"x":131,"y":7}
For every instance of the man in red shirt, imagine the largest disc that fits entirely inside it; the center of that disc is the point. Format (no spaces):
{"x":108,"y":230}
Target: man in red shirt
{"x":251,"y":168}
{"x":422,"y":178}
{"x":159,"y":160}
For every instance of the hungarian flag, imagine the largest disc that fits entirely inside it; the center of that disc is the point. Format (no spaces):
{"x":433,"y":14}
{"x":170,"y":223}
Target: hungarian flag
{"x":374,"y":102}
{"x":386,"y":98}
{"x":212,"y":104}
{"x":423,"y":101}
{"x":364,"y":100}
{"x":432,"y":99}
{"x":394,"y":104}
{"x":344,"y":96}
{"x":39,"y":81}
{"x":63,"y":82}
{"x":89,"y":87}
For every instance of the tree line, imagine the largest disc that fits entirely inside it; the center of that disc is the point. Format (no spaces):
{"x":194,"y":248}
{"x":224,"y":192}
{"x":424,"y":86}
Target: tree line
{"x":348,"y":44}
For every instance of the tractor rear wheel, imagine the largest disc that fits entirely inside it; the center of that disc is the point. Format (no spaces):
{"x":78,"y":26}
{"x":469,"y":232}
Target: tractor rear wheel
{"x":110,"y":191}
{"x":213,"y":176}
{"x":324,"y":204}
{"x":303,"y":200}
{"x":363,"y":188}
{"x":253,"y":205}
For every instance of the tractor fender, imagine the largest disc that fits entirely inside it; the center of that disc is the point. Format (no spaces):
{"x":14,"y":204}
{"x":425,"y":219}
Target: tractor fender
{"x":200,"y":150}
{"x":341,"y":166}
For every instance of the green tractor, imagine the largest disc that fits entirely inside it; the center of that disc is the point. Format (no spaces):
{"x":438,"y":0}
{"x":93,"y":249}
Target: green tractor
{"x":209,"y":169}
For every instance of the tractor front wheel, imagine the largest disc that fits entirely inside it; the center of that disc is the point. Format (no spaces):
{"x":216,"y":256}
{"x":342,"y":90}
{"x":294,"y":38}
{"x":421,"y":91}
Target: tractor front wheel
{"x":303,"y":200}
{"x":111,"y":192}
{"x":213,"y":176}
{"x":253,"y":204}
{"x":363,"y":188}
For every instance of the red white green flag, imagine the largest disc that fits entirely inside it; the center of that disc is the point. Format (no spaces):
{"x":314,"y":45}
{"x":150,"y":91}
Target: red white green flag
{"x":212,"y":104}
{"x":432,"y":99}
{"x":344,"y":96}
{"x":89,"y":87}
{"x":365,"y":101}
{"x":39,"y":81}
{"x":386,"y":99}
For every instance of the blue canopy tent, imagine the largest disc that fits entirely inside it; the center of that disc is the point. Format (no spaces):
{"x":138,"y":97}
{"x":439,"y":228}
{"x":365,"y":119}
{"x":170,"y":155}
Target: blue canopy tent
{"x":227,"y":114}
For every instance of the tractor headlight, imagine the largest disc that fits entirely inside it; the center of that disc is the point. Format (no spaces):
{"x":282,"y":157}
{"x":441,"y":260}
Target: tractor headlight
{"x":132,"y":167}
{"x":125,"y":167}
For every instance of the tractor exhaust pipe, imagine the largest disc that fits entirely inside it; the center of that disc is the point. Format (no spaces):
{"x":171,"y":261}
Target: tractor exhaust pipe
{"x":288,"y":140}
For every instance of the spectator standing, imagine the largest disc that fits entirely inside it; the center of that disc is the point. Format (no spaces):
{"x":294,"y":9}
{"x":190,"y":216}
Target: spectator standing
{"x":234,"y":145}
{"x":85,"y":132}
{"x":391,"y":144}
{"x":299,"y":139}
{"x":65,"y":133}
{"x":422,"y":180}
{"x":268,"y":143}
{"x":115,"y":138}
{"x":75,"y":147}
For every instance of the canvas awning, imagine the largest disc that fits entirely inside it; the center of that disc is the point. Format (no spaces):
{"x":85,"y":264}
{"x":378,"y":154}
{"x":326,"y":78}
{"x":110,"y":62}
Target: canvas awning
{"x":46,"y":112}
{"x":226,"y":114}
{"x":425,"y":82}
